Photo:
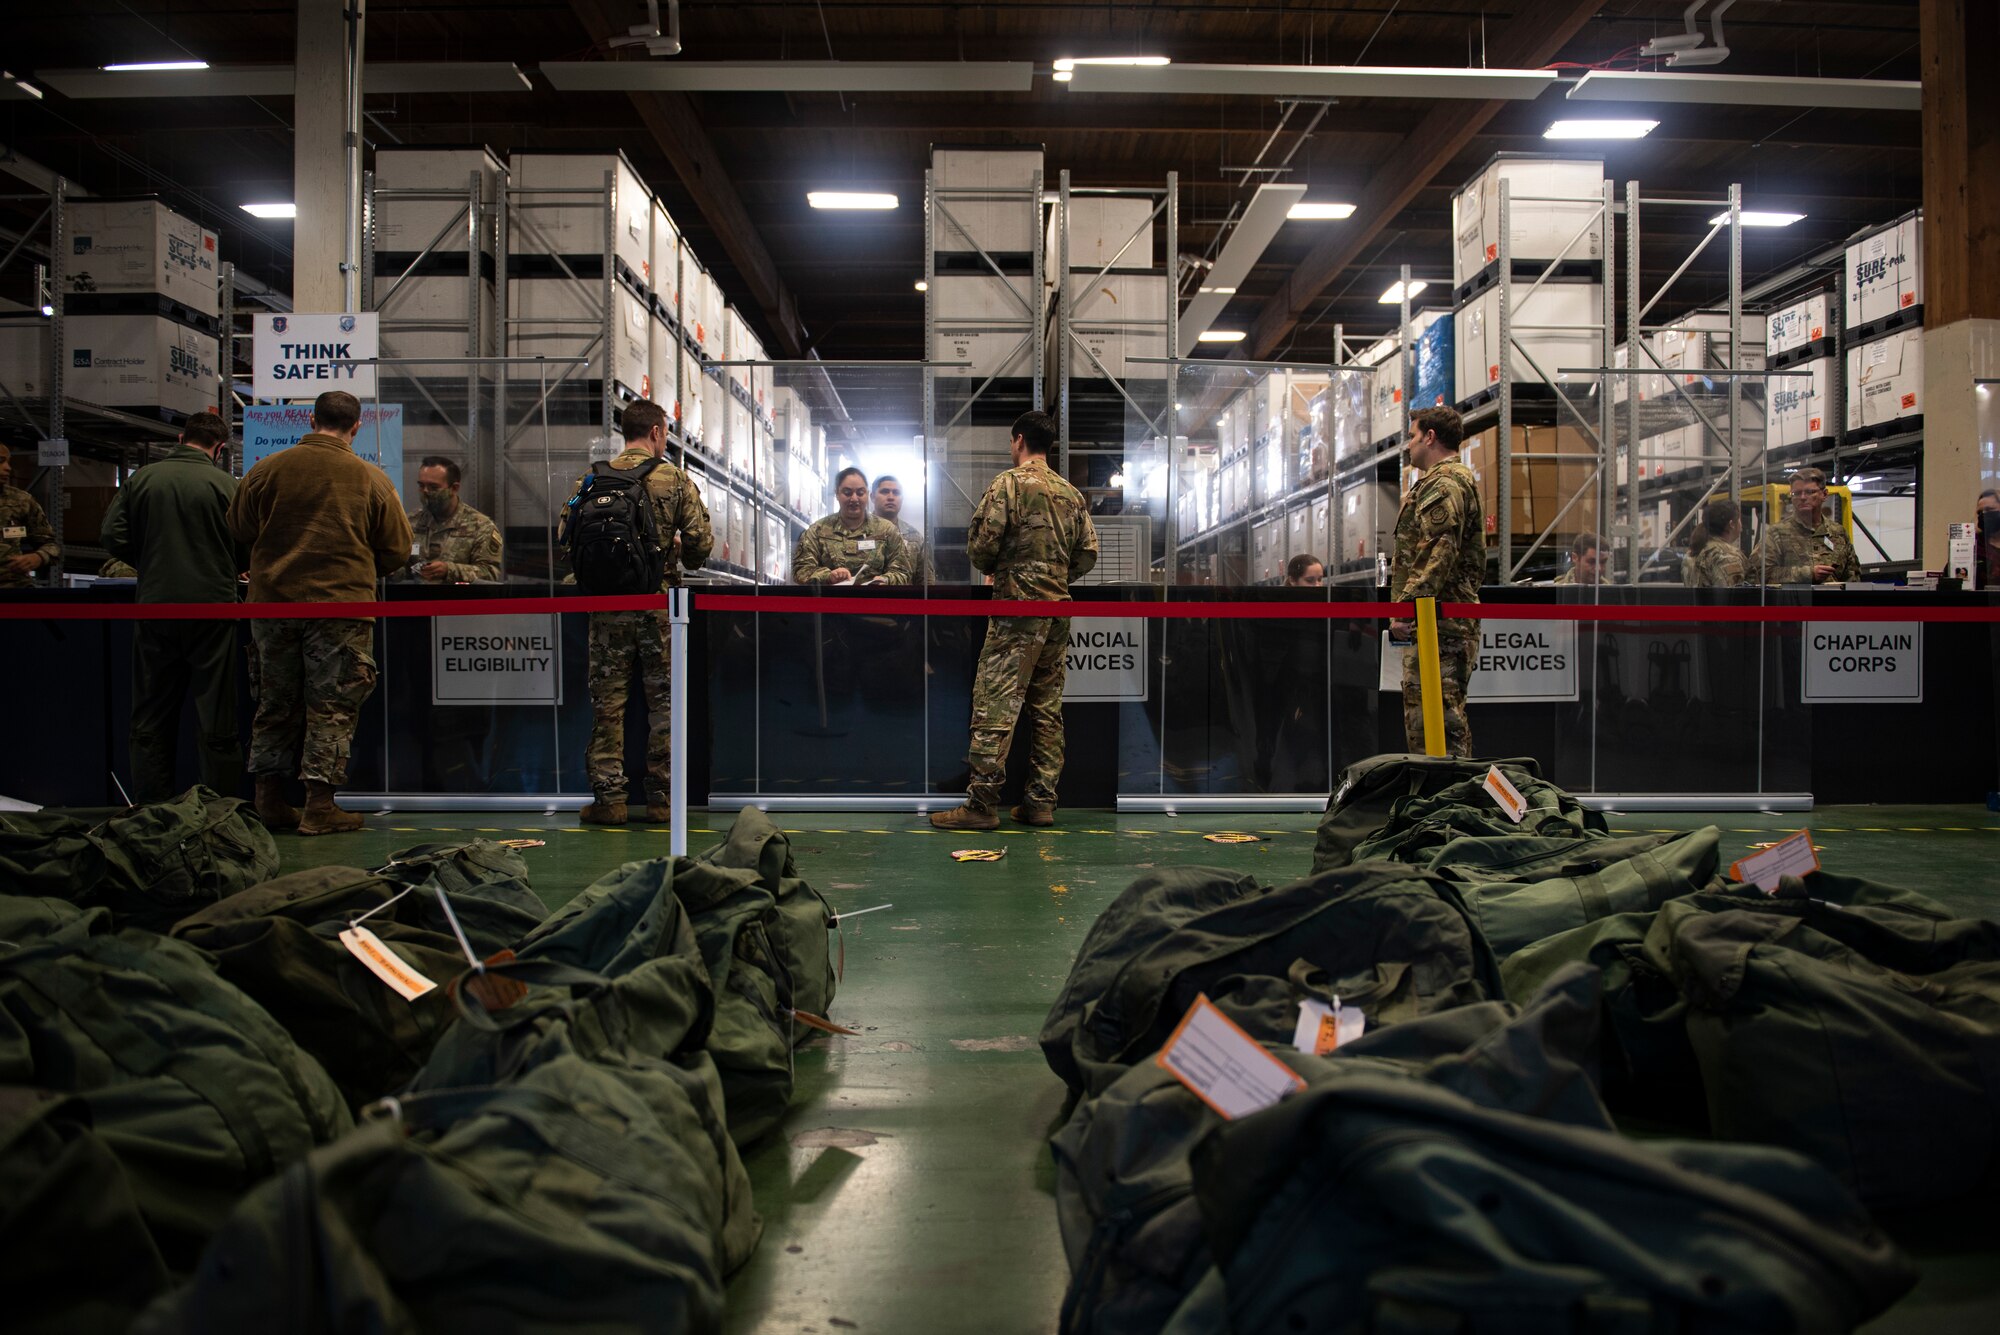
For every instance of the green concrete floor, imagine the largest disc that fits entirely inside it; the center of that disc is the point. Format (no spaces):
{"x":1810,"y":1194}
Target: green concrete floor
{"x":911,"y":1189}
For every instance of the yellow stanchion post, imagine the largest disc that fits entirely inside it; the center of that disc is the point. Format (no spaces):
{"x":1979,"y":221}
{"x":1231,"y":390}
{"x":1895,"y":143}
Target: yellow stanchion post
{"x":1429,"y":677}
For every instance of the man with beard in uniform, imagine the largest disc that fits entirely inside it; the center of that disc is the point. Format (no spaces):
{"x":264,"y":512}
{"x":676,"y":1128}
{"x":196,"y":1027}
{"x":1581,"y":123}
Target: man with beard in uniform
{"x":453,"y":543}
{"x":1441,"y":554}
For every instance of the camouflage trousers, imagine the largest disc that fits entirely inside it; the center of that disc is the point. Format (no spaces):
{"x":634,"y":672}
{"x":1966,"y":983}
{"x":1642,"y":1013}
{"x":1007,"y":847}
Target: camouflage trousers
{"x":1021,"y":667}
{"x":309,"y":680}
{"x":1456,"y":656}
{"x":619,"y":643}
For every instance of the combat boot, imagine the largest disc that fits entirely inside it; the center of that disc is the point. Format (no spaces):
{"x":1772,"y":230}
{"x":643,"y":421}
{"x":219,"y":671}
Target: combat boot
{"x":602,"y":813}
{"x":272,"y":808}
{"x":970,"y":816}
{"x":1033,"y":813}
{"x":321,"y":816}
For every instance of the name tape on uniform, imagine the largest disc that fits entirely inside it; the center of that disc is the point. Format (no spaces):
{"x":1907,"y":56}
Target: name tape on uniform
{"x":385,"y":964}
{"x":1506,"y":794}
{"x":1225,"y":1067}
{"x":1322,"y":1028}
{"x":1790,"y":856}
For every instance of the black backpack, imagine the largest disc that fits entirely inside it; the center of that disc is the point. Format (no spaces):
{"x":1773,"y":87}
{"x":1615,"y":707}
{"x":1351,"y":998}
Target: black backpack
{"x":613,"y":532}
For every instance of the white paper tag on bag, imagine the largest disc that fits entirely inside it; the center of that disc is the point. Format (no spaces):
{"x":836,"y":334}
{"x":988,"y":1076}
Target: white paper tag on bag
{"x":1225,"y":1067}
{"x":385,"y":964}
{"x":1506,"y":794}
{"x":1322,"y":1028}
{"x":1790,"y":856}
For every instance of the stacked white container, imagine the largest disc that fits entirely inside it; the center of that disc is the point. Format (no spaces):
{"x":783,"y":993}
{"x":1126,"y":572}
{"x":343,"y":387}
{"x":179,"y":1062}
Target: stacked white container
{"x":557,"y":229}
{"x":140,"y":312}
{"x":1799,"y":416}
{"x":1882,"y":312}
{"x":424,"y":306}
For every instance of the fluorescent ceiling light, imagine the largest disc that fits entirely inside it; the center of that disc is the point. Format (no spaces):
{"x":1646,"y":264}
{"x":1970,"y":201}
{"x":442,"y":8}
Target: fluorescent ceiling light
{"x":849,"y":199}
{"x":922,"y":286}
{"x":414,"y":76}
{"x":1394,"y":296}
{"x":791,"y":76}
{"x":1064,"y":76}
{"x":1736,"y":90}
{"x":1303,"y":212}
{"x":272,"y":210}
{"x":1759,"y":218}
{"x":1220,"y":336}
{"x":1067,"y":64}
{"x":13,"y":87}
{"x":1315,"y":81}
{"x":1221,"y":291}
{"x":1605,"y":129}
{"x":152,"y":66}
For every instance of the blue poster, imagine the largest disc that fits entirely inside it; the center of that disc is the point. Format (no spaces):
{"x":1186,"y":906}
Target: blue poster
{"x":268,"y":428}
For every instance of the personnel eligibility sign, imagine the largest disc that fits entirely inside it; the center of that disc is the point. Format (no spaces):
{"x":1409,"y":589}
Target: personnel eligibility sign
{"x":302,"y":356}
{"x":496,"y":660}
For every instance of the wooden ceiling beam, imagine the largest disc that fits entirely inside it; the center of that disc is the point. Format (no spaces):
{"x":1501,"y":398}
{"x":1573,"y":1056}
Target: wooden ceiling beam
{"x":1530,"y":40}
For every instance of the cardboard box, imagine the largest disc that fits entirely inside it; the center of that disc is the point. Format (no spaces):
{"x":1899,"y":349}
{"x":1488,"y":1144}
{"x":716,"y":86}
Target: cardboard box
{"x":1885,"y":379}
{"x":1799,"y":324}
{"x":139,"y":361}
{"x":1118,"y":300}
{"x":141,"y":246}
{"x":1540,"y":488}
{"x":1099,"y":228}
{"x":985,"y":350}
{"x":984,"y":299}
{"x":1002,"y":224}
{"x":542,"y":307}
{"x":1541,"y":229}
{"x":1556,"y":326}
{"x":1799,"y":411}
{"x":572,"y":223}
{"x":408,"y":226}
{"x":1884,"y":272}
{"x":1124,"y":353}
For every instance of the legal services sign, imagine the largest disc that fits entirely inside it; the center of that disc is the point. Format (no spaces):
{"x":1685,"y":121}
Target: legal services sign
{"x":1520,"y":662}
{"x":302,"y":356}
{"x":496,"y":660}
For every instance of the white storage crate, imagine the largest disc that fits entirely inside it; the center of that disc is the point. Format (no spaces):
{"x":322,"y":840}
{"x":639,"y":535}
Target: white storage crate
{"x":408,"y":226}
{"x":663,"y":269}
{"x":1367,"y":520}
{"x":140,"y":246}
{"x":542,"y":308}
{"x":1385,"y":399}
{"x":1572,"y":226}
{"x":983,"y":299}
{"x":1798,"y":410}
{"x":1799,"y":324}
{"x":1884,"y":272}
{"x":1299,"y":538}
{"x":1100,"y":226}
{"x":139,"y":361}
{"x":687,"y":397}
{"x":1885,"y":380}
{"x":1005,"y":224}
{"x":1553,"y":326}
{"x":571,"y":222}
{"x":714,"y":419}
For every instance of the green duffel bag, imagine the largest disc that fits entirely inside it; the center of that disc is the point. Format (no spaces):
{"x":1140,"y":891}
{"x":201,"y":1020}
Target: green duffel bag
{"x":1419,"y":825}
{"x":1392,"y":941}
{"x":1360,"y":803}
{"x":149,"y":865}
{"x":1125,"y":1189}
{"x":76,"y":1257}
{"x":620,"y":983}
{"x":1517,"y":904}
{"x":801,"y":916}
{"x":560,"y":1203}
{"x":192,"y":1085}
{"x":1364,"y":1203}
{"x":280,"y":942}
{"x":1150,"y":908}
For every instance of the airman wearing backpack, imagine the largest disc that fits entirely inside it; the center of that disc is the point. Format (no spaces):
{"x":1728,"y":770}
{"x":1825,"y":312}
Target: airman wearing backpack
{"x":623,"y":641}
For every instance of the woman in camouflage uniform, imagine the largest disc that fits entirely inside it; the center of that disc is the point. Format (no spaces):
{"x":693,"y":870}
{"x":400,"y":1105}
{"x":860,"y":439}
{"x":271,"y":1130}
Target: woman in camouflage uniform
{"x":1715,"y":559}
{"x":850,"y":545}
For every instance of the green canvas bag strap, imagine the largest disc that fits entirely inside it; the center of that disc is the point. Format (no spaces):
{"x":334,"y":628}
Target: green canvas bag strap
{"x":534,"y":973}
{"x":1310,"y":979}
{"x":1591,"y":893}
{"x":555,"y":1123}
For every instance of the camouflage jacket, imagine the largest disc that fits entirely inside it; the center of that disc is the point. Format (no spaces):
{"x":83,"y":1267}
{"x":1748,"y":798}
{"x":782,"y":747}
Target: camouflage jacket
{"x":874,"y":551}
{"x":468,"y":543}
{"x":1788,"y":551}
{"x":1032,"y":532}
{"x":922,"y":570}
{"x":1718,"y":565}
{"x":24,"y":530}
{"x":1441,"y":544}
{"x":677,"y":504}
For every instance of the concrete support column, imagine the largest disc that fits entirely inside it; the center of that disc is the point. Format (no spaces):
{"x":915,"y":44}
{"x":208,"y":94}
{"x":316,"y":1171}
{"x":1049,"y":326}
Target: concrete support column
{"x":1961,"y":146}
{"x":326,"y":156}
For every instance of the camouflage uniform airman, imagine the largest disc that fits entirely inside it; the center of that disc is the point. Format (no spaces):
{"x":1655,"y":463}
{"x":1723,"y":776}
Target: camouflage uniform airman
{"x":309,"y":680}
{"x":1441,"y":554}
{"x":117,"y":569}
{"x":24,"y":531}
{"x":872,"y":550}
{"x":621,"y":642}
{"x":1032,"y":533}
{"x":468,"y":543}
{"x":922,"y":569}
{"x":1789,"y":551}
{"x":1718,"y":565}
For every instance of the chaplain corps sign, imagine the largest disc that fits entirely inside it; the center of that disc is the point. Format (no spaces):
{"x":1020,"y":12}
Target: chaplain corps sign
{"x":303,"y":356}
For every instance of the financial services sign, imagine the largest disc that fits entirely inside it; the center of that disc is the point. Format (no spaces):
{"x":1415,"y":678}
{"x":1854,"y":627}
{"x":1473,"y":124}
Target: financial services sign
{"x":1863,"y":663}
{"x":302,"y":356}
{"x":496,"y":660}
{"x":1106,"y":661}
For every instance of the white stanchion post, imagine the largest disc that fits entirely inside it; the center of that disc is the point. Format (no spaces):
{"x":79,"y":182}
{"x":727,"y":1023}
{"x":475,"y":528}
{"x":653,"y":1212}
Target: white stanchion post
{"x":677,"y":666}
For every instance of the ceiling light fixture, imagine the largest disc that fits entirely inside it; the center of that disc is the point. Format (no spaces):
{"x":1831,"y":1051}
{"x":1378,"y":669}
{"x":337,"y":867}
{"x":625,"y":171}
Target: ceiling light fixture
{"x":26,"y":89}
{"x":922,"y":286}
{"x":1068,"y":64}
{"x":849,"y":199}
{"x":1759,"y":218}
{"x":155,"y":66}
{"x":1394,"y":295}
{"x":1220,"y":291}
{"x":1599,"y":129}
{"x":1221,"y":336}
{"x":273,"y":210}
{"x":1303,"y":212}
